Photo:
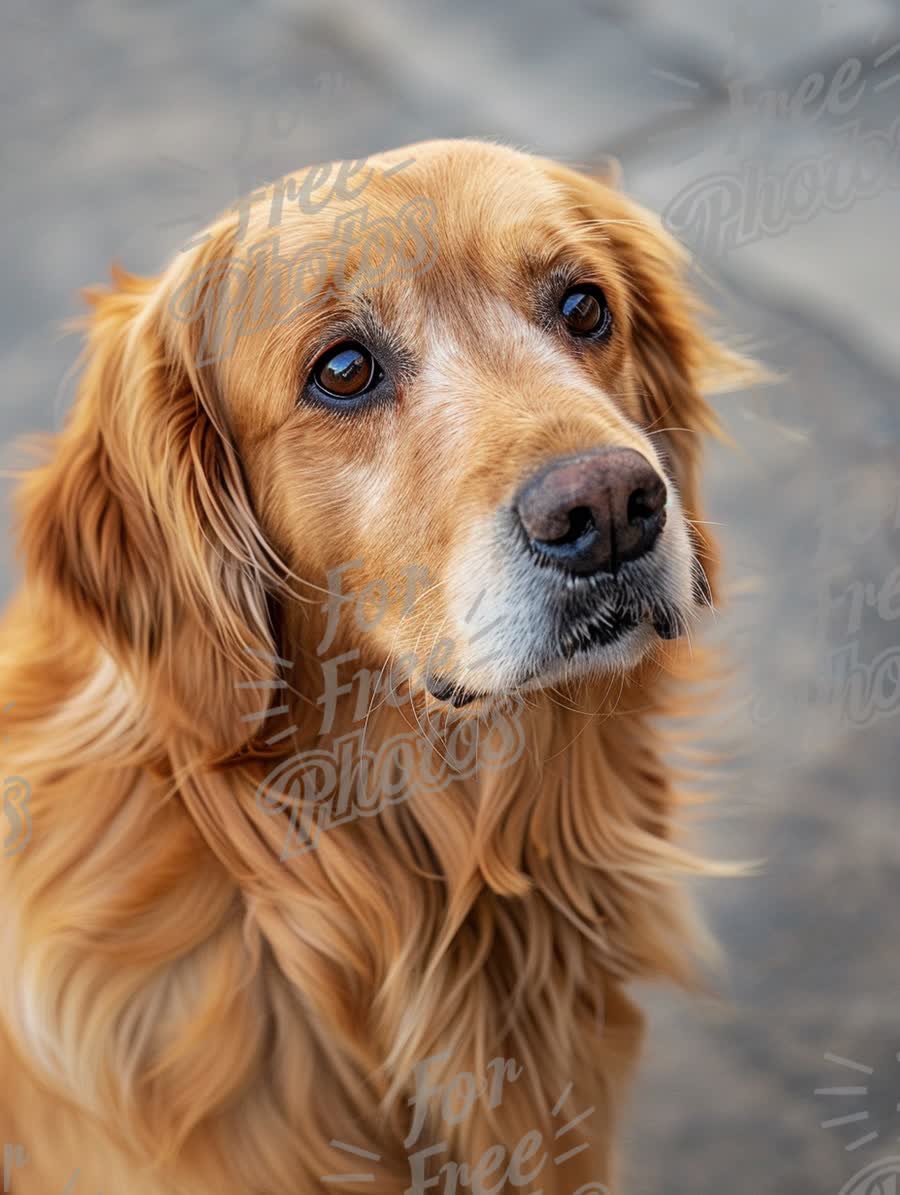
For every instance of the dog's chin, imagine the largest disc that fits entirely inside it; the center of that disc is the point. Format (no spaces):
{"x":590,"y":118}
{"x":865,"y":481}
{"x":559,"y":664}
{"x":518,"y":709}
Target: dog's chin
{"x":593,"y":652}
{"x":596,"y":644}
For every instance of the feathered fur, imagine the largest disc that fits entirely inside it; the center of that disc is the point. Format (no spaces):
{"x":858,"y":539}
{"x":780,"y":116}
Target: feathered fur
{"x":183,"y":1011}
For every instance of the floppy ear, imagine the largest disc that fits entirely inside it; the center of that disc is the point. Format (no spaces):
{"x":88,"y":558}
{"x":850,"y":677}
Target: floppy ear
{"x":140,"y":525}
{"x":675,"y":362}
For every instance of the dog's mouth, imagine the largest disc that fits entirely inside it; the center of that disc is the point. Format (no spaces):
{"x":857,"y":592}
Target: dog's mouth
{"x":585,"y":630}
{"x":580,"y":632}
{"x":602,"y":628}
{"x":599,"y":628}
{"x":594,"y":617}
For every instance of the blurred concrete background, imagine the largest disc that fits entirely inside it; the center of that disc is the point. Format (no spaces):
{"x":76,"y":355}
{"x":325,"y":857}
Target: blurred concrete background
{"x":767,"y":136}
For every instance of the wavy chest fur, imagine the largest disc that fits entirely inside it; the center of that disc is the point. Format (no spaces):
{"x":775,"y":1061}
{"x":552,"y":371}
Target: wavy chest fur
{"x":225,"y":1015}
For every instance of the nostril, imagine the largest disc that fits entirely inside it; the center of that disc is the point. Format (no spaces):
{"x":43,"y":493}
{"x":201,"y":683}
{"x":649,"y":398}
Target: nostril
{"x":581,"y":521}
{"x":645,"y":503}
{"x":638,"y":506}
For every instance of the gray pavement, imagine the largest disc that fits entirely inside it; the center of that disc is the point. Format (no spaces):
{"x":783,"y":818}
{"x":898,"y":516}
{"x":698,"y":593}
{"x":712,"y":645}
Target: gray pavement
{"x":776,"y":159}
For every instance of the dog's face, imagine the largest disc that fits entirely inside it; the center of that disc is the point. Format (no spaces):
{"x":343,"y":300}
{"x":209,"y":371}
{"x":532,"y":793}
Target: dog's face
{"x":510,"y":405}
{"x":479,"y":414}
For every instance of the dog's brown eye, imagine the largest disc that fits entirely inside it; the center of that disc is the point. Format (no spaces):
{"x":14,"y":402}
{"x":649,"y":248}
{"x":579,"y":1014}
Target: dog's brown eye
{"x":346,"y":371}
{"x":585,"y":310}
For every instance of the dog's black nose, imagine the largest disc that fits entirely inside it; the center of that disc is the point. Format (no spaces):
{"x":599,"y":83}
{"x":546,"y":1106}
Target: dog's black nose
{"x":590,"y":513}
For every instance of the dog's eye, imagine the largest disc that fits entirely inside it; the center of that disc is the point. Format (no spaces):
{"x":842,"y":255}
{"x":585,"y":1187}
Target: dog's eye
{"x":585,"y":311}
{"x":346,"y":371}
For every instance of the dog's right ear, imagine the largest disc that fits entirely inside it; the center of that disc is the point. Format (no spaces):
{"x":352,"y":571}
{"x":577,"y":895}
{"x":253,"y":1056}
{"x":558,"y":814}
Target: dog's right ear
{"x":140,"y":528}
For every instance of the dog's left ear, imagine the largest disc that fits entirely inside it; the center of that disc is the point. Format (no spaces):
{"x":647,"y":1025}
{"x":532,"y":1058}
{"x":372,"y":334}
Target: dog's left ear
{"x":140,"y":530}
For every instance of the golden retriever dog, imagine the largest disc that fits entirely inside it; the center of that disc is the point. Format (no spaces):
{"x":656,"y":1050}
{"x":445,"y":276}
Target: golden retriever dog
{"x":394,"y":453}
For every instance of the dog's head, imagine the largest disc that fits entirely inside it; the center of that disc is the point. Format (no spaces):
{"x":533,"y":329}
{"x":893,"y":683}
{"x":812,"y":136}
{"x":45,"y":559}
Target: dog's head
{"x":456,"y":360}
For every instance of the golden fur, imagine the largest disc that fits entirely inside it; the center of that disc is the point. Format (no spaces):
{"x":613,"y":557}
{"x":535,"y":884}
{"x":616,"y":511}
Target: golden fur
{"x":181,"y":1010}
